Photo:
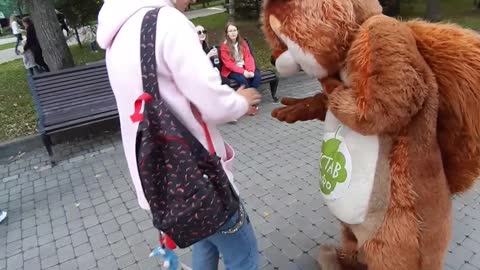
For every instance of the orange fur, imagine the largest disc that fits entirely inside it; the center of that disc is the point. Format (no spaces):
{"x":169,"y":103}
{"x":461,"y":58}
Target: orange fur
{"x":415,"y":83}
{"x":453,"y":53}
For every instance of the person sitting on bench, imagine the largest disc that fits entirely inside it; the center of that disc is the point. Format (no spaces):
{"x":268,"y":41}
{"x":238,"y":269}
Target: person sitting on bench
{"x":238,"y":62}
{"x":212,"y":52}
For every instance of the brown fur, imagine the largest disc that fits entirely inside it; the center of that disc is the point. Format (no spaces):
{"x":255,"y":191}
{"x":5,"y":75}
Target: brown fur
{"x":408,"y":83}
{"x":453,"y":53}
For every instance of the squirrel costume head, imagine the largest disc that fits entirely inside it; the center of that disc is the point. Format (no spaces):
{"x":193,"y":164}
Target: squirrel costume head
{"x":314,"y":35}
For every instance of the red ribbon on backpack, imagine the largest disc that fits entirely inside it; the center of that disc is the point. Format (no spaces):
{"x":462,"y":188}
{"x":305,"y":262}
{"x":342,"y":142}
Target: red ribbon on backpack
{"x":137,"y":116}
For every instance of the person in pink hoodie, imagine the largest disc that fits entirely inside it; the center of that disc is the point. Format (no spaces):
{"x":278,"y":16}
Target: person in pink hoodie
{"x":185,"y":75}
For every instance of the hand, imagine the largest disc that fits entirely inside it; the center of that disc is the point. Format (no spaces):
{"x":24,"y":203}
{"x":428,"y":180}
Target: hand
{"x":250,"y":94}
{"x":212,"y":52}
{"x":303,"y":109}
{"x":246,"y":74}
{"x":252,"y":74}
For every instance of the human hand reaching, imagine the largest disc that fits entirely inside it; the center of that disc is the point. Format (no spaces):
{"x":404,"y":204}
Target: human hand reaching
{"x":250,"y":94}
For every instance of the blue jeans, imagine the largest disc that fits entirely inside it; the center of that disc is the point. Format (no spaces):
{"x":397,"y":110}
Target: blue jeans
{"x":250,"y":82}
{"x":239,"y":249}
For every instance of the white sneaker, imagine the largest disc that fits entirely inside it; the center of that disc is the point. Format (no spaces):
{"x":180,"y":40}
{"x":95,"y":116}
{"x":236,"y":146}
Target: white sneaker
{"x":3,"y":215}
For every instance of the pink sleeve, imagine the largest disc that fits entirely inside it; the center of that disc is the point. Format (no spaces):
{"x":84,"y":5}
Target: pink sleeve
{"x":195,"y":76}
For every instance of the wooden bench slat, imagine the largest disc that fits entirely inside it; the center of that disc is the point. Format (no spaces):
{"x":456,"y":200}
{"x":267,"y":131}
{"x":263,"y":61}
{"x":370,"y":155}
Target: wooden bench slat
{"x":46,"y":102}
{"x":65,"y":86}
{"x":79,"y":122}
{"x":88,"y":110}
{"x":61,"y":106}
{"x":85,"y":91}
{"x":68,"y":76}
{"x":82,"y":95}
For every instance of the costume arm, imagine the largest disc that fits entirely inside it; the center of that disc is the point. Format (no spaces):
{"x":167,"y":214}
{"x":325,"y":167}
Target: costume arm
{"x":389,"y":80}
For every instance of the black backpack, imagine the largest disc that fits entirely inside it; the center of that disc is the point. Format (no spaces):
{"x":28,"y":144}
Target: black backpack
{"x":189,"y":193}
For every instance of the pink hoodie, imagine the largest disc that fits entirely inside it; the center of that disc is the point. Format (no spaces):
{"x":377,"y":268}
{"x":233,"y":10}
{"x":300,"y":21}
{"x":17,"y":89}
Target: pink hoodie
{"x":185,"y":74}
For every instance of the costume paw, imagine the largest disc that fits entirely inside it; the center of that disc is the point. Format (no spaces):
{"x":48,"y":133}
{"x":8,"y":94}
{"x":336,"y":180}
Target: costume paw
{"x":327,"y":258}
{"x":302,"y":109}
{"x":295,"y":110}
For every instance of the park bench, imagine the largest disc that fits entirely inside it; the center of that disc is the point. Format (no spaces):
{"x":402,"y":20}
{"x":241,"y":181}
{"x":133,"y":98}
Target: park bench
{"x":268,"y":76}
{"x":82,"y":96}
{"x":72,"y":98}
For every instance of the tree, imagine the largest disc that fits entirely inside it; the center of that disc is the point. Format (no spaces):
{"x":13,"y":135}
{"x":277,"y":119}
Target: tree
{"x":433,"y":10}
{"x":79,"y":13}
{"x":51,"y":38}
{"x":391,"y":7}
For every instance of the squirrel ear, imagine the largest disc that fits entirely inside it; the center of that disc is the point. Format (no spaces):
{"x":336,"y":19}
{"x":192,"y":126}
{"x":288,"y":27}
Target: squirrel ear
{"x":275,"y":24}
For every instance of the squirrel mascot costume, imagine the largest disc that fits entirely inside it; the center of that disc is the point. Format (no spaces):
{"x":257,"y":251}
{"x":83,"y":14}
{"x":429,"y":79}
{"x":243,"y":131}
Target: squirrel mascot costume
{"x":401,"y":111}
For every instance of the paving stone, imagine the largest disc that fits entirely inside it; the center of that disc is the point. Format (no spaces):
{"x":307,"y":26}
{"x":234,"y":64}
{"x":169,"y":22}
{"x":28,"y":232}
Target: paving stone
{"x":47,"y":250}
{"x":49,"y":262}
{"x":65,"y":253}
{"x":31,"y":253}
{"x":79,"y":238}
{"x":108,"y":263}
{"x":120,"y":248}
{"x":125,"y":261}
{"x":129,"y":228}
{"x":468,"y":267}
{"x":86,"y":261}
{"x":475,"y":260}
{"x":82,"y":249}
{"x":32,"y":264}
{"x":15,"y":261}
{"x":276,"y":257}
{"x":458,"y":257}
{"x":84,"y":214}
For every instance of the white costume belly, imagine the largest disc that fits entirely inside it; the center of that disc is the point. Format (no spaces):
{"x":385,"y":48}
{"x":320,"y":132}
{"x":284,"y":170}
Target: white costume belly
{"x":347,"y":170}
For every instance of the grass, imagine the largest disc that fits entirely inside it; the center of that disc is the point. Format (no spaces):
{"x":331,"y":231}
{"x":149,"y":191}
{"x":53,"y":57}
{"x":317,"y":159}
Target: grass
{"x":17,"y":112}
{"x":211,"y":4}
{"x":7,"y":46}
{"x":454,"y":11}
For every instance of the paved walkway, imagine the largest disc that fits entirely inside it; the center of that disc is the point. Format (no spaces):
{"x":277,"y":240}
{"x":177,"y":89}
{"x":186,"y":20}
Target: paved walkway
{"x":83,"y":214}
{"x":9,"y":54}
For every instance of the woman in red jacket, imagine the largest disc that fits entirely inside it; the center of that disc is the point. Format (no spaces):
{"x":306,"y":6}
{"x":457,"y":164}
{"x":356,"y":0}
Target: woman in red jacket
{"x":238,"y":62}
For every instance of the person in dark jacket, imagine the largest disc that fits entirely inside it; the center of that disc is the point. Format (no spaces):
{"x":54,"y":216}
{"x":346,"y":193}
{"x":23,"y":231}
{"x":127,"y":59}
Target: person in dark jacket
{"x":33,"y":44}
{"x":212,"y":52}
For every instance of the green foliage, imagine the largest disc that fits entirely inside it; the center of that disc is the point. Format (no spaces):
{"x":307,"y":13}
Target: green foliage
{"x":79,"y":12}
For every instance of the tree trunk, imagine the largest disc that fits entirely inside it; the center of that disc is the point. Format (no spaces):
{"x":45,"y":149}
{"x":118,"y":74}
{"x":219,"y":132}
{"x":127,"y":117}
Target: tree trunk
{"x":433,"y":10}
{"x":390,"y":7}
{"x":54,"y":45}
{"x":77,"y":36}
{"x":231,"y":8}
{"x":19,"y":6}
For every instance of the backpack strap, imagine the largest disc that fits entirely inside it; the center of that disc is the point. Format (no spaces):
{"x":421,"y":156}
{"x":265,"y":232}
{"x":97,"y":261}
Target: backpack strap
{"x":149,"y":71}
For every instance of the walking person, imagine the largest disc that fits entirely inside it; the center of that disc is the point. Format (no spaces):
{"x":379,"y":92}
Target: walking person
{"x":17,"y":32}
{"x":33,"y":45}
{"x":192,"y":91}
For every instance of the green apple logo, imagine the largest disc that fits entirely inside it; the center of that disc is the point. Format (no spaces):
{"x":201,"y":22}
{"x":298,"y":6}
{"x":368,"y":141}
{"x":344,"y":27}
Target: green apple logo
{"x":332,"y":165}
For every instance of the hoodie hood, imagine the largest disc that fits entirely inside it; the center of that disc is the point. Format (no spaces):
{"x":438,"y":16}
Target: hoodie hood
{"x":114,"y":13}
